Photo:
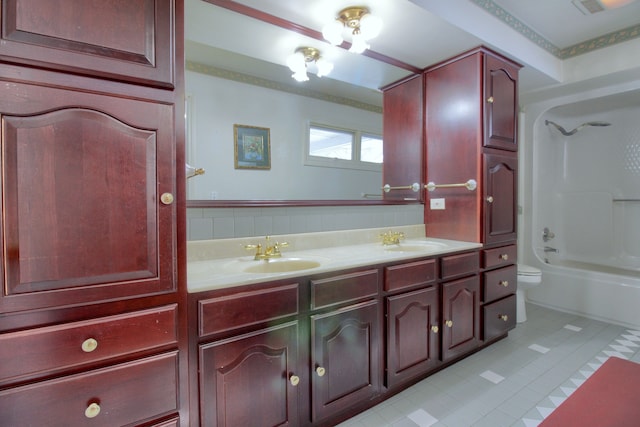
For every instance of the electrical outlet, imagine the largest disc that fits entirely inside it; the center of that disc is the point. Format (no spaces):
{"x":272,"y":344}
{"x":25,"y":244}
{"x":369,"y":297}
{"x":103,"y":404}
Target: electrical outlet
{"x":437,"y":204}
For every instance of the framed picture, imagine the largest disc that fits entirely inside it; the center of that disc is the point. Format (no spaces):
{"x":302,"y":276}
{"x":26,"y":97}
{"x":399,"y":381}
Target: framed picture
{"x":252,"y":147}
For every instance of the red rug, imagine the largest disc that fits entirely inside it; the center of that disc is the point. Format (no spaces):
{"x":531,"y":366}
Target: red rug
{"x":610,"y":397}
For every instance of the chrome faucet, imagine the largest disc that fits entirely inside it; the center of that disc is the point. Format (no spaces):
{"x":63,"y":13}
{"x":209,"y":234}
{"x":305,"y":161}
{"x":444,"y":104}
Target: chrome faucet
{"x":267,"y":251}
{"x":550,"y":249}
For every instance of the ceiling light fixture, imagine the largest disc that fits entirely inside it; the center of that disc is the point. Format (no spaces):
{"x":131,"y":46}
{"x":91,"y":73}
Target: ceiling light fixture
{"x":361,"y":23}
{"x":298,"y":61}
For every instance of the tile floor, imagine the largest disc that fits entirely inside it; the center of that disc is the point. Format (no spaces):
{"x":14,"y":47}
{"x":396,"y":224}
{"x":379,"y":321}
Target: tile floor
{"x":515,"y":382}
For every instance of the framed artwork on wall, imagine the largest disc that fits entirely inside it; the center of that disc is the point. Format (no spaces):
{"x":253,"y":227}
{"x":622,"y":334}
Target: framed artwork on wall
{"x":252,"y":147}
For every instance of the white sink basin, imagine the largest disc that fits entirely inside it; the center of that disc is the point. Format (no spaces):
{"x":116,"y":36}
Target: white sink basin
{"x":416,"y":247}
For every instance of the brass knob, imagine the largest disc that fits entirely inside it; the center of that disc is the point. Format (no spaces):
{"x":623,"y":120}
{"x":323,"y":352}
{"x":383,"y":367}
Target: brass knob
{"x":92,"y":410}
{"x":490,"y":199}
{"x":89,"y":345}
{"x":490,"y":100}
{"x":294,"y":380}
{"x":504,"y":257}
{"x":166,"y":198}
{"x":435,"y":329}
{"x":320,"y":371}
{"x":449,"y":323}
{"x":504,"y":283}
{"x":504,"y":317}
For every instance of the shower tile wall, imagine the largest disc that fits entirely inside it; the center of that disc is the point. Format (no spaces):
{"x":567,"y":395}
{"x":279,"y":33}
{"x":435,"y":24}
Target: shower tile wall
{"x":223,"y":223}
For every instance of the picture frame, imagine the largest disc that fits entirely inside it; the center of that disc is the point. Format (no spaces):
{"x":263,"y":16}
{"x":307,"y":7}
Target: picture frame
{"x":252,"y":147}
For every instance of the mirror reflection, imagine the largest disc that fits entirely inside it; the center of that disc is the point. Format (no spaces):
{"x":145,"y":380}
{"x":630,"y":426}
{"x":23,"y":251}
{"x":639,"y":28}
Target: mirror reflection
{"x":288,"y":159}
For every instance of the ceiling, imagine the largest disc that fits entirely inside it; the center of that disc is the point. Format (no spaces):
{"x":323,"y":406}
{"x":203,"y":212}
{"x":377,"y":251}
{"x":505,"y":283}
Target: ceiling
{"x":543,"y":35}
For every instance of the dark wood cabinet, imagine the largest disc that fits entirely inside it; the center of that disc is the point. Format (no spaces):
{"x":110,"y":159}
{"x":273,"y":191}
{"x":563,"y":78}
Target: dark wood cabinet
{"x":252,"y":379}
{"x":403,"y":104}
{"x":413,"y":334}
{"x":480,"y":140}
{"x":500,"y":196}
{"x":499,"y":285}
{"x":130,"y":41}
{"x":460,"y":316}
{"x":91,"y":267}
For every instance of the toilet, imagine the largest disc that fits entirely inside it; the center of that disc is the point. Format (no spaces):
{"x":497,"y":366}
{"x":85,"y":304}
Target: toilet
{"x":528,"y":277}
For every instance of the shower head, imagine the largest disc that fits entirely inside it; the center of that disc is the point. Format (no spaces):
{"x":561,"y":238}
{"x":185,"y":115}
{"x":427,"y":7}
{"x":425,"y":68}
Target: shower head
{"x":571,"y":132}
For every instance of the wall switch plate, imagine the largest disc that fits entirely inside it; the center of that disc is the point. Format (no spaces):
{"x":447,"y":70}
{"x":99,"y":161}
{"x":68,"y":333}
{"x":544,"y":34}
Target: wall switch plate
{"x":437,"y":204}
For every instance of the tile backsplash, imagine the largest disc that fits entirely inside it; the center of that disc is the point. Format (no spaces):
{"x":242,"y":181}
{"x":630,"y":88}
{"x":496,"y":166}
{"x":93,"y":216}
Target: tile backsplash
{"x":225,"y":223}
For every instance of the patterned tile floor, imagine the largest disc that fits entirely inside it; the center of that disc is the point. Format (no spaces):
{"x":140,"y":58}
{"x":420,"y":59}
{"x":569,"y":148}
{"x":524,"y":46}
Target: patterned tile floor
{"x":516,"y":382}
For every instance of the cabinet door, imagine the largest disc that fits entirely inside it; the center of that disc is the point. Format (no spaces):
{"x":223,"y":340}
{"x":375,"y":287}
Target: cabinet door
{"x":412,"y":334}
{"x":128,"y":40}
{"x":501,"y":104}
{"x":501,"y":184}
{"x":403,"y":127}
{"x":460,"y":316}
{"x":251,"y":380}
{"x":82,"y":178}
{"x":345,"y":358}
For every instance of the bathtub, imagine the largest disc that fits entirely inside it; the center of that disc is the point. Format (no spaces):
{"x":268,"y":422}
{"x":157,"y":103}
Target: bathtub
{"x":584,"y":190}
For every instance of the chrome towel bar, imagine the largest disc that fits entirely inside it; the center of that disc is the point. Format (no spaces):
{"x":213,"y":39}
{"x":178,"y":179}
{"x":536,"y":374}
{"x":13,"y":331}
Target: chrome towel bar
{"x":470,"y":185}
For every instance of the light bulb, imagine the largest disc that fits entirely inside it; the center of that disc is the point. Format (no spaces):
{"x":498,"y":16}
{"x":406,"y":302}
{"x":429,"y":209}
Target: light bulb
{"x":296,"y":62}
{"x":358,"y":43}
{"x":370,"y":26}
{"x":332,"y":32}
{"x":324,"y":67}
{"x":300,"y":76}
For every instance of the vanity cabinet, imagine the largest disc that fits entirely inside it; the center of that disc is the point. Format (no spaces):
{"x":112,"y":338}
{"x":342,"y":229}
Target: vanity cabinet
{"x":412,"y":320}
{"x":479,"y":139}
{"x":460,"y":304}
{"x":91,"y":303}
{"x":499,"y":284}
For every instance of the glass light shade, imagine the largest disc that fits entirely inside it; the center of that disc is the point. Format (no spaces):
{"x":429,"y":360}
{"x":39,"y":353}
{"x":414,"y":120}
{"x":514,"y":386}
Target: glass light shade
{"x":358,"y":44}
{"x":300,"y":76}
{"x":324,"y":67}
{"x":370,"y":26}
{"x":332,"y":32}
{"x":296,"y":63}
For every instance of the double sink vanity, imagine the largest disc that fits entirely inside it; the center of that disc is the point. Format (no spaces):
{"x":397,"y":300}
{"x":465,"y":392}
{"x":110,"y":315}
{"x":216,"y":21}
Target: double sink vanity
{"x":311,"y":329}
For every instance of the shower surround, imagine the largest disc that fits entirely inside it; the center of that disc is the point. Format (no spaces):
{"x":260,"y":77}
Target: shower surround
{"x":584,"y":180}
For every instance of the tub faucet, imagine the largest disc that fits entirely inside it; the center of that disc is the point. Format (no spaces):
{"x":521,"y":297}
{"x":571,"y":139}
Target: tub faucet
{"x":547,"y":234}
{"x":550,"y":249}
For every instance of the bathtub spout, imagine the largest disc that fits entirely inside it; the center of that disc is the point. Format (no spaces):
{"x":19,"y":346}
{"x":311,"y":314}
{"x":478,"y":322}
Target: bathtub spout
{"x":548,"y":249}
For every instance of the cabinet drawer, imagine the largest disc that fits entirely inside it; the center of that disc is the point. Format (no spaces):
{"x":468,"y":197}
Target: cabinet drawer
{"x":499,"y":283}
{"x":242,"y":309}
{"x":410,"y":274}
{"x":344,"y":288}
{"x":499,"y":317}
{"x":497,"y":257}
{"x":458,"y":265}
{"x":125,"y":394}
{"x":55,"y":348}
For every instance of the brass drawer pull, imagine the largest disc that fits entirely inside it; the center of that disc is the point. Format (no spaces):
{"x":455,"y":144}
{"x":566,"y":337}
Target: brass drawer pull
{"x":294,"y":380}
{"x":503,"y":317}
{"x":92,"y":410}
{"x":89,"y":345}
{"x":449,"y":323}
{"x":435,"y":329}
{"x":504,"y":283}
{"x":320,"y":371}
{"x":504,"y":257}
{"x":490,"y":100}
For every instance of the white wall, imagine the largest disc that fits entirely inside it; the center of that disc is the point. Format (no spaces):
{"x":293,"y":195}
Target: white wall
{"x":217,"y":104}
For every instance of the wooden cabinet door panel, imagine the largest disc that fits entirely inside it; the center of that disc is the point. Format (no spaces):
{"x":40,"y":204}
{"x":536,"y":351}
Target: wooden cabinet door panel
{"x":82,"y":178}
{"x":412,"y":334}
{"x":128,"y":40}
{"x":345,"y":358}
{"x":501,"y":104}
{"x":460,"y":316}
{"x":501,"y":185}
{"x":247,"y":380}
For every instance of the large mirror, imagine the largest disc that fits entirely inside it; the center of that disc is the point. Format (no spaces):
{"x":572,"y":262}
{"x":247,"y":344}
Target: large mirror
{"x":233,"y":87}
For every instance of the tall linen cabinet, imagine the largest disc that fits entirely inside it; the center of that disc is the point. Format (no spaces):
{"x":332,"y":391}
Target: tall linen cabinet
{"x":92,"y":318}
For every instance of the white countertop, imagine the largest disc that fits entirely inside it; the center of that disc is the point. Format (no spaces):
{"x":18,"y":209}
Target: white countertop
{"x":208,"y":268}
